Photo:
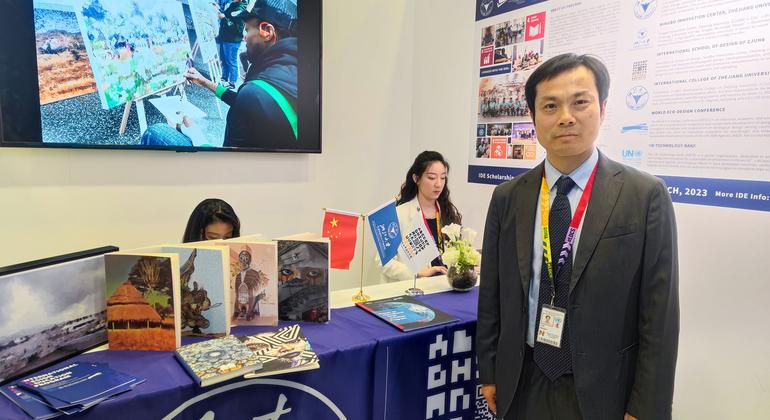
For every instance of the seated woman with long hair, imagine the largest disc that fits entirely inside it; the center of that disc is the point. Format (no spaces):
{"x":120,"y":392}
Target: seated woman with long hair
{"x":424,"y":196}
{"x":212,"y":219}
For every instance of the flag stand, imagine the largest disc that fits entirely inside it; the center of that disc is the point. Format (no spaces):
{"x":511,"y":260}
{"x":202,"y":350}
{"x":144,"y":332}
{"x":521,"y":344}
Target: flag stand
{"x":414,"y":290}
{"x":360,"y":296}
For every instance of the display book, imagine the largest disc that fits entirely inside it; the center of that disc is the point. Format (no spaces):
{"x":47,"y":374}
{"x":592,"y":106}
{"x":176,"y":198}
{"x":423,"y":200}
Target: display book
{"x":68,"y":389}
{"x":212,"y":361}
{"x":284,"y":279}
{"x":252,"y":282}
{"x":204,"y":274}
{"x":143,"y":301}
{"x":303,"y":279}
{"x":225,"y":283}
{"x":406,"y":313}
{"x":66,"y":295}
{"x":282,"y":351}
{"x":157,"y":293}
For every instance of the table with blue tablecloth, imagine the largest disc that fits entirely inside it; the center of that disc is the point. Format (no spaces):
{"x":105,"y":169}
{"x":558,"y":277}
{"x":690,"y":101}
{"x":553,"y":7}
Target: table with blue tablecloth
{"x":369,"y":370}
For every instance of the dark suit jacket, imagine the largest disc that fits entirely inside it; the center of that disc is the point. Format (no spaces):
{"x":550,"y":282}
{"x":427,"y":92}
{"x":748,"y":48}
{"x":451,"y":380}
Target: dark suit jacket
{"x":623,"y":304}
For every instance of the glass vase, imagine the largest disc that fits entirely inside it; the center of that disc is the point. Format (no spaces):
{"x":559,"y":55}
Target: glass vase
{"x":462,"y":280}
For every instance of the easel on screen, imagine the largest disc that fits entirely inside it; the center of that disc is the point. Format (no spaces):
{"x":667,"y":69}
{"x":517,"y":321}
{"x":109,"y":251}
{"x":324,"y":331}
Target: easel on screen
{"x":140,"y":112}
{"x":215,"y":71}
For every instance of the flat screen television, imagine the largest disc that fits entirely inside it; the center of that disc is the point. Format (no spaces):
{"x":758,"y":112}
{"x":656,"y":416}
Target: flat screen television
{"x":116,"y":74}
{"x":52,"y":309}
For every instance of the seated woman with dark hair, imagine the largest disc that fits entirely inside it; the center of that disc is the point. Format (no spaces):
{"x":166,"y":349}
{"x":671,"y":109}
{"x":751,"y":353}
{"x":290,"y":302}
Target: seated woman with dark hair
{"x":212,"y":219}
{"x":424,"y":195}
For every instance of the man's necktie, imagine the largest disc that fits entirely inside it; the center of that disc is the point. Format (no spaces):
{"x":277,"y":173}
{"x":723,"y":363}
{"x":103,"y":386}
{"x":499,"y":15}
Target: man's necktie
{"x":555,"y":362}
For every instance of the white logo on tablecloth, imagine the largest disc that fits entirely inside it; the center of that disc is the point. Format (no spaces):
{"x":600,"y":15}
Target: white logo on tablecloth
{"x":317,"y":398}
{"x":453,"y":372}
{"x":279,"y":410}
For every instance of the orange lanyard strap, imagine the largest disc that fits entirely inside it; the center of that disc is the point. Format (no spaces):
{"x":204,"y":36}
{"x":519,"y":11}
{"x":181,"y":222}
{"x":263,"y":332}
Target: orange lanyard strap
{"x":569,"y":240}
{"x":440,"y":239}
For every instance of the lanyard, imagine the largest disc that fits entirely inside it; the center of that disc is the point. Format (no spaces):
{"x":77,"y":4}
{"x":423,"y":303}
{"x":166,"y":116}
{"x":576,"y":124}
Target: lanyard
{"x":577,"y":218}
{"x":440,"y":239}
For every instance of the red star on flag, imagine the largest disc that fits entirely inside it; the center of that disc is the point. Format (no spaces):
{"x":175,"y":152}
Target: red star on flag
{"x":341,"y":227}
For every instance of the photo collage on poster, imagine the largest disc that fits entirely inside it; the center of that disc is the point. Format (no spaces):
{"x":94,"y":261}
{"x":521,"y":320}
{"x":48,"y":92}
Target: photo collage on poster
{"x":510,"y":51}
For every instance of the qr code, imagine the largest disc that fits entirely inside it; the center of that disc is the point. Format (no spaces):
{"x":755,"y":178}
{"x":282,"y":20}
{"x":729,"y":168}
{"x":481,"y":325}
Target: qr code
{"x":417,"y":241}
{"x":482,"y":408}
{"x":639,"y":70}
{"x":482,"y":411}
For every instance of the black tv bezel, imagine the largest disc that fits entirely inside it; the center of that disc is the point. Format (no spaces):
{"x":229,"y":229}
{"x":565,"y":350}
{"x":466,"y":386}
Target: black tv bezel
{"x":18,"y":18}
{"x":47,"y":262}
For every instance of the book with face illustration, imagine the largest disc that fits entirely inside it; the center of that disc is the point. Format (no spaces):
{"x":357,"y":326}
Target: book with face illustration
{"x":303,"y":278}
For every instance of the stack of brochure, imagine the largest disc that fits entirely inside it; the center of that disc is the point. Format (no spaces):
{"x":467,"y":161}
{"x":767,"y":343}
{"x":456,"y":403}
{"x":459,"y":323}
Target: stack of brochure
{"x":69,"y":389}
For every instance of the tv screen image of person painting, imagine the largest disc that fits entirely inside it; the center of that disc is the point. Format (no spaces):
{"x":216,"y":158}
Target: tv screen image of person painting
{"x":136,"y":47}
{"x":96,"y":57}
{"x":162,"y":74}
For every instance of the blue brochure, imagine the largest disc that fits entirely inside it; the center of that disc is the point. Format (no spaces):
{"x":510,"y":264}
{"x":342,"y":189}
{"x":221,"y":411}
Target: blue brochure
{"x":30,"y":403}
{"x":79,"y":384}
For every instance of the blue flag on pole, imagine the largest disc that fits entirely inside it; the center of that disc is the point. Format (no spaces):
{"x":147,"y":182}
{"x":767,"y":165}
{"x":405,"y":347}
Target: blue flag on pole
{"x":383,"y":222}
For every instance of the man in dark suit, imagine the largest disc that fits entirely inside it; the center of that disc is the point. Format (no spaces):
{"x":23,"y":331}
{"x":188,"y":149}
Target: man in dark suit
{"x":612,"y":277}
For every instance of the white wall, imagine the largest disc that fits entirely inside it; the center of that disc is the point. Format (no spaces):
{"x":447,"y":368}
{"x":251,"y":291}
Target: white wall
{"x":724,"y":369}
{"x":58,"y":201}
{"x":442,"y":98}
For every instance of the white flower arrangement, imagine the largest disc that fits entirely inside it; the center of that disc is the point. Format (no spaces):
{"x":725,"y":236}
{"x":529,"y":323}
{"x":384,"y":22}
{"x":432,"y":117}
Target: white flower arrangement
{"x":458,"y":249}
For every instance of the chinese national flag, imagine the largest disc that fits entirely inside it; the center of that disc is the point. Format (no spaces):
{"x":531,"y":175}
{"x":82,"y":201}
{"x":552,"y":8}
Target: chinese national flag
{"x":340,"y":228}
